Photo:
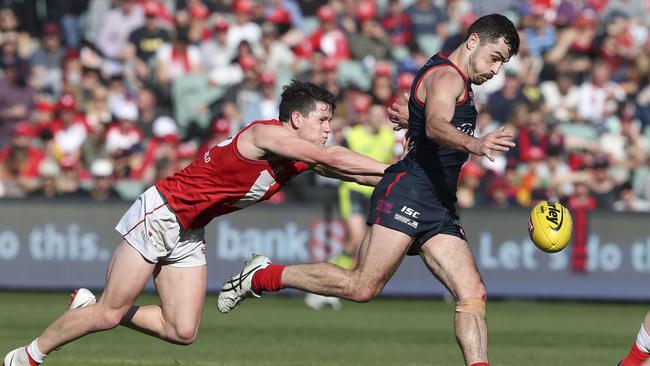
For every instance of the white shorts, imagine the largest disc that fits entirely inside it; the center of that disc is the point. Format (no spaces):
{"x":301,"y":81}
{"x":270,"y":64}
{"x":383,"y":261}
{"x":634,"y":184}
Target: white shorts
{"x":152,"y":229}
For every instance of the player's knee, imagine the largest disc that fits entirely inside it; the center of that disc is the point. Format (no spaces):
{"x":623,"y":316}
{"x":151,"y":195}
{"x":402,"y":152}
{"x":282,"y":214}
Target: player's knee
{"x":366,"y":292}
{"x":108,"y":318}
{"x":472,"y":290}
{"x":184,"y":334}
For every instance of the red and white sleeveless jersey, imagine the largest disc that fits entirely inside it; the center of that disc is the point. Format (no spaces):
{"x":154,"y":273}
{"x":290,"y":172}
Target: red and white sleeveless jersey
{"x":222,"y":181}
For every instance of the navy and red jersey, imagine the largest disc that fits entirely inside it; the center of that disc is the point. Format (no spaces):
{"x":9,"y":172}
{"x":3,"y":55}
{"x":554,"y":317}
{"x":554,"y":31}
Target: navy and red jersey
{"x":222,"y":181}
{"x":435,"y":164}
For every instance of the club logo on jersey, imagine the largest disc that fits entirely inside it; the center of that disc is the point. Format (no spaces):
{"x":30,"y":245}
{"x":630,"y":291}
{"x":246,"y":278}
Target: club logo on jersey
{"x":471,"y":98}
{"x":466,"y":128}
{"x":206,"y":157}
{"x":278,"y":170}
{"x":384,"y":206}
{"x":406,"y":220}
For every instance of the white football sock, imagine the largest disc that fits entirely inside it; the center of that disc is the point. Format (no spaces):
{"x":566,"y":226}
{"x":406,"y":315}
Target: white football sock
{"x":34,"y":352}
{"x":643,"y":340}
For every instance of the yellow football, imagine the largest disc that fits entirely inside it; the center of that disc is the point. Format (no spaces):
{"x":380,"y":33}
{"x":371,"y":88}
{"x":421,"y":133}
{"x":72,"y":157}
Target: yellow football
{"x":550,"y":226}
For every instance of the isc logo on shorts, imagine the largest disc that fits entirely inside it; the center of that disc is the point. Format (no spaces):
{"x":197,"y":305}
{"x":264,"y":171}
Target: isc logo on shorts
{"x":410,"y":212}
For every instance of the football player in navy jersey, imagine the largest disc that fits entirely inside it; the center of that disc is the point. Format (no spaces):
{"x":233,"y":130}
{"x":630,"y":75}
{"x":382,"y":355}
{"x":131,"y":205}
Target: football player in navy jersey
{"x":413,"y":206}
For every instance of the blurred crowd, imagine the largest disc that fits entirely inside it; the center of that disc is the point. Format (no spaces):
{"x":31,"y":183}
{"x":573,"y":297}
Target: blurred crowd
{"x":100,"y":98}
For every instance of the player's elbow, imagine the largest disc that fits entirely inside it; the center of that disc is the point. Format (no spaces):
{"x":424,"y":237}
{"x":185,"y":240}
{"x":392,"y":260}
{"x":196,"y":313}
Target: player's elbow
{"x":431,"y":132}
{"x":365,"y":295}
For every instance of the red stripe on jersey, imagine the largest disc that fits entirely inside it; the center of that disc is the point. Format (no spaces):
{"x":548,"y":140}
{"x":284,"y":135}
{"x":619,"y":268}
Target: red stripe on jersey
{"x":390,"y":186}
{"x":462,"y":75}
{"x":141,"y":221}
{"x":222,"y":181}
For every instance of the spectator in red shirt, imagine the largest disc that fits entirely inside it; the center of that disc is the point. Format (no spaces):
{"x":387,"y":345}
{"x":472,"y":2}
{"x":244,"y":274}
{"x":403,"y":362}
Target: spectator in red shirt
{"x":328,"y":37}
{"x":124,"y":136}
{"x":69,"y":129}
{"x":19,"y":162}
{"x":397,"y":24}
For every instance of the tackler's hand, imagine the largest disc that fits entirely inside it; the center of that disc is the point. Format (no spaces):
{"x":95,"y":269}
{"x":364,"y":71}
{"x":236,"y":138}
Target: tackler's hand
{"x":398,"y":113}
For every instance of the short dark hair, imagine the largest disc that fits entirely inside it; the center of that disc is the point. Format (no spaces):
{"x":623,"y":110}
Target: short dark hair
{"x":491,"y":27}
{"x":302,"y":97}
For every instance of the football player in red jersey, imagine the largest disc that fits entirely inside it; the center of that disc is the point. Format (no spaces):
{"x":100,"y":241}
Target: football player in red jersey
{"x":163,"y":233}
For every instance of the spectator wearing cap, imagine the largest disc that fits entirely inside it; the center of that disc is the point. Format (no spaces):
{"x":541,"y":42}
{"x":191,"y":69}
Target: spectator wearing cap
{"x":281,"y":12}
{"x":46,"y":60}
{"x":217,"y":54}
{"x":124,"y":136}
{"x":243,"y":29}
{"x":19,"y":162}
{"x":72,"y":70}
{"x":270,"y":103}
{"x":402,"y":88}
{"x":16,"y":95}
{"x":70,"y":177}
{"x":145,"y":41}
{"x":163,"y":146}
{"x":103,"y":184}
{"x":197,"y":27}
{"x":381,"y":89}
{"x":397,"y":24}
{"x":371,"y":41}
{"x":328,"y":37}
{"x":498,"y":194}
{"x":177,"y":59}
{"x":220,"y":129}
{"x":69,"y":128}
{"x":113,"y":36}
{"x":427,"y":19}
{"x":540,"y":33}
{"x":469,"y":182}
{"x":49,"y":173}
{"x":240,"y":102}
{"x":330,"y":68}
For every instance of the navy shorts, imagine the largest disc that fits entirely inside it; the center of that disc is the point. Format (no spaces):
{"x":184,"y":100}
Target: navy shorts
{"x":404,"y":202}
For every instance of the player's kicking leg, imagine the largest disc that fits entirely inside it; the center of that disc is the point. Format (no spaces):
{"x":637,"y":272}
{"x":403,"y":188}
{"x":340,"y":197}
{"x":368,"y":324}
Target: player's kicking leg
{"x":127,"y":266}
{"x":380,"y":255}
{"x":640,"y":351}
{"x":78,"y":299}
{"x":450,"y":259}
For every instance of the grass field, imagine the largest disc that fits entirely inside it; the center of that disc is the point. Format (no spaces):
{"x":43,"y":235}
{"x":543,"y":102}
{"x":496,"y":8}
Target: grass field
{"x":282,"y":331}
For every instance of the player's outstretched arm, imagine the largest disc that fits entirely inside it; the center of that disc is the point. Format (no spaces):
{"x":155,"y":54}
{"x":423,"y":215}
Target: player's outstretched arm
{"x":442,"y":89}
{"x":336,"y":159}
{"x":366,"y":180}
